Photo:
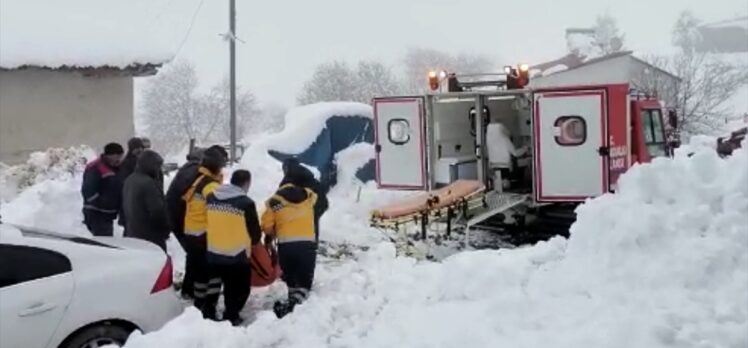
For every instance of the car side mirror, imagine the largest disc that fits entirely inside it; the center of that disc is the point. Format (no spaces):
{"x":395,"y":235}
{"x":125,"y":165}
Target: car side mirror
{"x":672,"y":119}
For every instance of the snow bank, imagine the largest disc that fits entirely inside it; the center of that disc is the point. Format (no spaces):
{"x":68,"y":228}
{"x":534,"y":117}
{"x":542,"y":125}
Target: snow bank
{"x":661,"y":264}
{"x":303,"y":124}
{"x":89,"y":33}
{"x":350,"y":160}
{"x":55,"y":163}
{"x":350,"y":200}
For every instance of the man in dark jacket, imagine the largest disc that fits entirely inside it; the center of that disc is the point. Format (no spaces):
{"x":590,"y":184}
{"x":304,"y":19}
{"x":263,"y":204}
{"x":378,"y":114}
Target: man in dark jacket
{"x":233,"y":228}
{"x":143,"y":202}
{"x":102,"y":191}
{"x":308,"y":181}
{"x":185,"y":176}
{"x":135,"y":147}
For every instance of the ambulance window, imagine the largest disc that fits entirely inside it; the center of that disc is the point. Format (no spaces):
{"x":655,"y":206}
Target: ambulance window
{"x":398,"y":131}
{"x":570,"y":130}
{"x":654,"y":134}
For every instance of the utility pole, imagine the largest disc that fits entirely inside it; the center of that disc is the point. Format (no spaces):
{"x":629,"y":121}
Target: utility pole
{"x":232,"y":73}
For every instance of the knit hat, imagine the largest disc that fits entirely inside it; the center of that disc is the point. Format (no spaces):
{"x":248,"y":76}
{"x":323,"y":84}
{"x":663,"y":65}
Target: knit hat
{"x":113,"y":149}
{"x":135,"y":143}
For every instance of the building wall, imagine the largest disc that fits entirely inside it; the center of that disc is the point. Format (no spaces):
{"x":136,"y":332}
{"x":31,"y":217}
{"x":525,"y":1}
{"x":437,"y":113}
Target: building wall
{"x":40,"y":109}
{"x":624,"y":69}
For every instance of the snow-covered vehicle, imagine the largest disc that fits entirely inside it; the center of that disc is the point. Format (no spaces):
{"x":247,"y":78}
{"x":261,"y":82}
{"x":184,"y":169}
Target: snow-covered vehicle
{"x":578,"y":141}
{"x":57,"y":291}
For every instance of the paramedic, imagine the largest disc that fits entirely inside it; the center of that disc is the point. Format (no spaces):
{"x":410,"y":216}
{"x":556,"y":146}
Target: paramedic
{"x":289,"y":216}
{"x":501,"y":151}
{"x":233,"y":228}
{"x":195,"y":220}
{"x":320,"y":207}
{"x":176,"y":205}
{"x":102,"y":191}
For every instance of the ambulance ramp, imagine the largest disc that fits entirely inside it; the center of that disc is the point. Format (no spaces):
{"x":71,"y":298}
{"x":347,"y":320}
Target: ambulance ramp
{"x":461,"y":195}
{"x":495,"y":203}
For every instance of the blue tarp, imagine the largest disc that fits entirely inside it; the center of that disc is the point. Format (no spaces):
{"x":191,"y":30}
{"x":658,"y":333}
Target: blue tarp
{"x":340,"y":132}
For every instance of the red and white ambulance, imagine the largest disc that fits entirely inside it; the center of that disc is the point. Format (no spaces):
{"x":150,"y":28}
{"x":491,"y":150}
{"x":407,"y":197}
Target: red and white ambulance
{"x":578,"y":141}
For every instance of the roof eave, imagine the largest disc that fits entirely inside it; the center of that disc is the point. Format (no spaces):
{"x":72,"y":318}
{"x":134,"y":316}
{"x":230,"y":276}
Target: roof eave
{"x":134,"y":70}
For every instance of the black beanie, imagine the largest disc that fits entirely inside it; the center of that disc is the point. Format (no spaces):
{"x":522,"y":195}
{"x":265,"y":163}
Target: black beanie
{"x":135,"y":143}
{"x":214,"y":160}
{"x":113,"y":149}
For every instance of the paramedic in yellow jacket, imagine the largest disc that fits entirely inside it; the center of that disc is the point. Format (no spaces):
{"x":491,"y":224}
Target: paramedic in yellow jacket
{"x":289,"y":216}
{"x":196,"y":220}
{"x":233,"y":227}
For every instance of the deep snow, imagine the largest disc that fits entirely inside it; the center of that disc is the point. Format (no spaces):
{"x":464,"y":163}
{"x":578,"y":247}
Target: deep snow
{"x":662,"y":263}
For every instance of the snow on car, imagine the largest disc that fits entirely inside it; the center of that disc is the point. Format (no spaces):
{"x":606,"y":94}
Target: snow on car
{"x":73,"y":292}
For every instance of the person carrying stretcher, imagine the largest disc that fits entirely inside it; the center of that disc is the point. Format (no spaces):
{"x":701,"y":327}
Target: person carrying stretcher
{"x":290,"y":217}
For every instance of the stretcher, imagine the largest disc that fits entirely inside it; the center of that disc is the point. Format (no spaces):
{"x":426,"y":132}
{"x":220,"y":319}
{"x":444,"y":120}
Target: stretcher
{"x":459,"y":197}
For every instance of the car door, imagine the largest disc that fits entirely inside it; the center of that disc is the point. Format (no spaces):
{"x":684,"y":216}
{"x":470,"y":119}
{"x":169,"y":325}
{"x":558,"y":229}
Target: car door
{"x":36,"y":286}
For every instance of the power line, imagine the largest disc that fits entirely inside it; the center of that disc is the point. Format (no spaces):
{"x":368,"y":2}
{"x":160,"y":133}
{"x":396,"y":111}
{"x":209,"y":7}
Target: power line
{"x":189,"y":29}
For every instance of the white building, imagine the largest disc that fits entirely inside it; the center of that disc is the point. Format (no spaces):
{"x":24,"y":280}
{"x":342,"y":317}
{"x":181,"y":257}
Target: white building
{"x":66,"y":73}
{"x":620,"y":67}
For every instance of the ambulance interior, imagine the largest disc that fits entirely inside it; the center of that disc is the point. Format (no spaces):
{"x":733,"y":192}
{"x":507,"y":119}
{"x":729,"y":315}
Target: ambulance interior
{"x":454,"y":141}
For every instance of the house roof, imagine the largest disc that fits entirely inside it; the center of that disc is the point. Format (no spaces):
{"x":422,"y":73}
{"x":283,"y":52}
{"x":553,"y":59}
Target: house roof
{"x":85,"y":34}
{"x":615,"y":55}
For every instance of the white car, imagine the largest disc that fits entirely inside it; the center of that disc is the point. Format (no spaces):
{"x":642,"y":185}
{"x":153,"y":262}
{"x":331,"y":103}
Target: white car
{"x":61,"y":291}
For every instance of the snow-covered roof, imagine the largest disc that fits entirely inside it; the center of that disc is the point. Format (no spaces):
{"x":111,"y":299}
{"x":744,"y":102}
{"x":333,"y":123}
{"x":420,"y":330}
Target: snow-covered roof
{"x":82,"y":34}
{"x":597,"y":60}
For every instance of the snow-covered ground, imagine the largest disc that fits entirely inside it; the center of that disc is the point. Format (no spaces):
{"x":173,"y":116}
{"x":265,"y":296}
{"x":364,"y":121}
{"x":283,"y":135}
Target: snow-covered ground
{"x":663,"y":263}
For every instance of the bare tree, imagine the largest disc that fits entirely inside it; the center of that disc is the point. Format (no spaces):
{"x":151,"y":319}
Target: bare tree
{"x":419,"y":61}
{"x":171,"y":106}
{"x":333,"y":81}
{"x":336,"y":81}
{"x":707,"y":82}
{"x":607,"y":38}
{"x":273,"y":117}
{"x":599,"y":40}
{"x":176,"y":112}
{"x":375,"y":80}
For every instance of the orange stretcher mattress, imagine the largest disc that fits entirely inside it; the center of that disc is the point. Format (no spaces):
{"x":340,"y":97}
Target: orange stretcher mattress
{"x":440,"y":198}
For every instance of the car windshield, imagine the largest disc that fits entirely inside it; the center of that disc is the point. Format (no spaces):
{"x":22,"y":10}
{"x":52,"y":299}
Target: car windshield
{"x":31,"y":233}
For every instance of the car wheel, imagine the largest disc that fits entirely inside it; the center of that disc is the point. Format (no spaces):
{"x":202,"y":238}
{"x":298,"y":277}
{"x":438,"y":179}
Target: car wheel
{"x":98,"y":336}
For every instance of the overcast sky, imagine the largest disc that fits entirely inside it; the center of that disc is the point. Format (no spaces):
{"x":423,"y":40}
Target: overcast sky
{"x":285,"y":40}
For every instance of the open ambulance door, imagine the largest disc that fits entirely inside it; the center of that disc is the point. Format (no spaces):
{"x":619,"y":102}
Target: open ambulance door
{"x":400,"y":142}
{"x":570,"y":144}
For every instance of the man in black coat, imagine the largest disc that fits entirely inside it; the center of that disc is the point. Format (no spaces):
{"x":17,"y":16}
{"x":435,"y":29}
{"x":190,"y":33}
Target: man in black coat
{"x":102,"y":191}
{"x":308,"y":181}
{"x":135,"y":147}
{"x":143,"y":202}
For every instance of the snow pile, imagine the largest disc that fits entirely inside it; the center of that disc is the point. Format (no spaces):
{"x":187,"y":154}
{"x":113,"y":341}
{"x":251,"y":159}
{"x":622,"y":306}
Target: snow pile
{"x":55,"y":163}
{"x":661,"y":264}
{"x":90,"y":33}
{"x":350,"y":160}
{"x":305,"y":123}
